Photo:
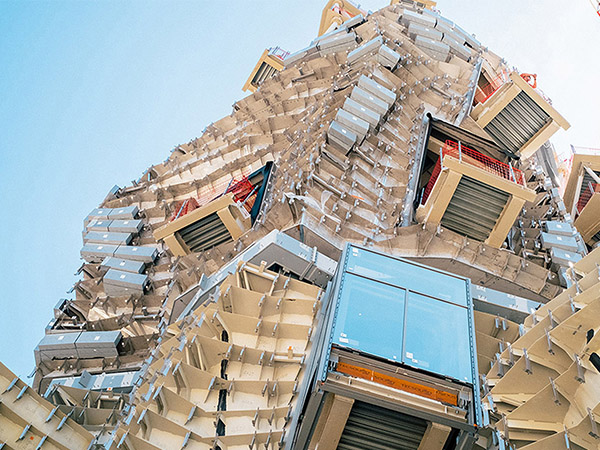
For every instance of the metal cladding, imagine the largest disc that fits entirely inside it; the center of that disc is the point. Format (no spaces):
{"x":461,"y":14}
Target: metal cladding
{"x":222,"y":303}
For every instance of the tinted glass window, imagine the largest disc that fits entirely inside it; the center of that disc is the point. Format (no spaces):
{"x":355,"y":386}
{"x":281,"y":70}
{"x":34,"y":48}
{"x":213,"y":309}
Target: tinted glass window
{"x":370,"y":317}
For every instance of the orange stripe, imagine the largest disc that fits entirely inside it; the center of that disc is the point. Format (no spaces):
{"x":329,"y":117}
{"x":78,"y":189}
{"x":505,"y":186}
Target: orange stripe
{"x":397,"y":383}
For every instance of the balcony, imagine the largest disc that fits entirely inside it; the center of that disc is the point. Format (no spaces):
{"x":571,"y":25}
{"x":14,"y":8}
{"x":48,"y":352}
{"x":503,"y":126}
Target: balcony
{"x":222,"y":214}
{"x":473,"y":194}
{"x":516,"y":115}
{"x":269,"y":63}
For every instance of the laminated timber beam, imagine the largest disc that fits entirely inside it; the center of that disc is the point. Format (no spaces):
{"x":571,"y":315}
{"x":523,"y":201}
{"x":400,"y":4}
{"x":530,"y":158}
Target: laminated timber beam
{"x":435,"y":437}
{"x":331,"y":423}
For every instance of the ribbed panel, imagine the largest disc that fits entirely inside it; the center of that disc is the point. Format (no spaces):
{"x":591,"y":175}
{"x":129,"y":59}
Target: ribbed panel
{"x":474,"y":209}
{"x":264,"y":71}
{"x":205,"y":233}
{"x":371,"y":427}
{"x":517,"y":123}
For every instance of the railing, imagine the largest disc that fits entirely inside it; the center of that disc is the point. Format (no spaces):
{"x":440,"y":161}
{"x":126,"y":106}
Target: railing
{"x":434,"y":176}
{"x":485,"y":92}
{"x":473,"y":157}
{"x":586,"y":195}
{"x":343,"y":11}
{"x":183,"y":207}
{"x":244,"y":192}
{"x":278,"y":52}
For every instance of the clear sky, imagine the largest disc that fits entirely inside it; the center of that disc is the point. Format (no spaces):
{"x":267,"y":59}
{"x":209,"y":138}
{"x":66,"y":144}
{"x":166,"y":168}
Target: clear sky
{"x":94,"y":92}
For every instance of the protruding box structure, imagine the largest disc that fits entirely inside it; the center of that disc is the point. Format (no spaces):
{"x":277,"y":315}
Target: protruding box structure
{"x":398,"y":351}
{"x":517,"y":117}
{"x":582,"y":195}
{"x":269,"y":63}
{"x":219,"y":221}
{"x":473,"y":194}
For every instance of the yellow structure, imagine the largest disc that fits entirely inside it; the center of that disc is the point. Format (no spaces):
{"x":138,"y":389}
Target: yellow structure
{"x":582,"y":195}
{"x":518,"y":117}
{"x":335,"y":13}
{"x":267,"y":65}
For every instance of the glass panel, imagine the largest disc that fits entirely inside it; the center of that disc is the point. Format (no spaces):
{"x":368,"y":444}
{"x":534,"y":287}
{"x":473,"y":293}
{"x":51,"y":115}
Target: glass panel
{"x":437,"y":337}
{"x":370,"y":317}
{"x":407,"y":275}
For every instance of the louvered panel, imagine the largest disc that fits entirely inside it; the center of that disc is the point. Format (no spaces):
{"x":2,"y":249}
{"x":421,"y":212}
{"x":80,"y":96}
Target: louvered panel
{"x":517,"y":123}
{"x":206,"y":233}
{"x":265,"y":71}
{"x":371,"y":427}
{"x":474,"y":209}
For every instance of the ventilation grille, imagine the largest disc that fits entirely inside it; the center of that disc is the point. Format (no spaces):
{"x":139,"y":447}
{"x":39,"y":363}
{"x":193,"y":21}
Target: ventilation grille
{"x":371,"y":427}
{"x":474,"y":209}
{"x":206,"y":233}
{"x":264,"y":71}
{"x":517,"y":123}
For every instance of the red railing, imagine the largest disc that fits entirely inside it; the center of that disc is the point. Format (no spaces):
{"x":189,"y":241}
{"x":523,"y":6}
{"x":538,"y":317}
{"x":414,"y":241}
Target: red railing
{"x":244,"y":192}
{"x":586,"y":195}
{"x":473,"y":157}
{"x":183,"y":207}
{"x":485,"y":92}
{"x":278,"y":52}
{"x":434,"y":176}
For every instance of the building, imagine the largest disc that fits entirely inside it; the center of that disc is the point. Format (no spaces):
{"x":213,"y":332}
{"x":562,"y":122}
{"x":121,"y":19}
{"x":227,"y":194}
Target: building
{"x":370,"y":252}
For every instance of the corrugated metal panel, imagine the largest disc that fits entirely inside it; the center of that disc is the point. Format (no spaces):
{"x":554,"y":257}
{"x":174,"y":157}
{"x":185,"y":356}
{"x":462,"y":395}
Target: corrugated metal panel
{"x":517,"y":123}
{"x":371,"y":427}
{"x":264,"y":72}
{"x":474,"y":209}
{"x":206,"y":233}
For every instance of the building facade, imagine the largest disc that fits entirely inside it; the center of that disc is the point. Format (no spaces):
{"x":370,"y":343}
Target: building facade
{"x":370,"y":252}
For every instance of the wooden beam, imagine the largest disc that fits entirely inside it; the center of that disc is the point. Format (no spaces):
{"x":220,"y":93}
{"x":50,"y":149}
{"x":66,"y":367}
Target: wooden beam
{"x":435,"y":437}
{"x":331,"y":422}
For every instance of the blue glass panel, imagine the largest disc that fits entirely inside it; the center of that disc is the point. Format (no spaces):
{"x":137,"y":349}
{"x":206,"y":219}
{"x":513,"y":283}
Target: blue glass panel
{"x":370,"y":317}
{"x":410,"y":276}
{"x":437,"y":337}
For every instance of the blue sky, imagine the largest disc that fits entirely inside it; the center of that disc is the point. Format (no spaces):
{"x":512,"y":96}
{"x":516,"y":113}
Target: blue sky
{"x":92,"y":93}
